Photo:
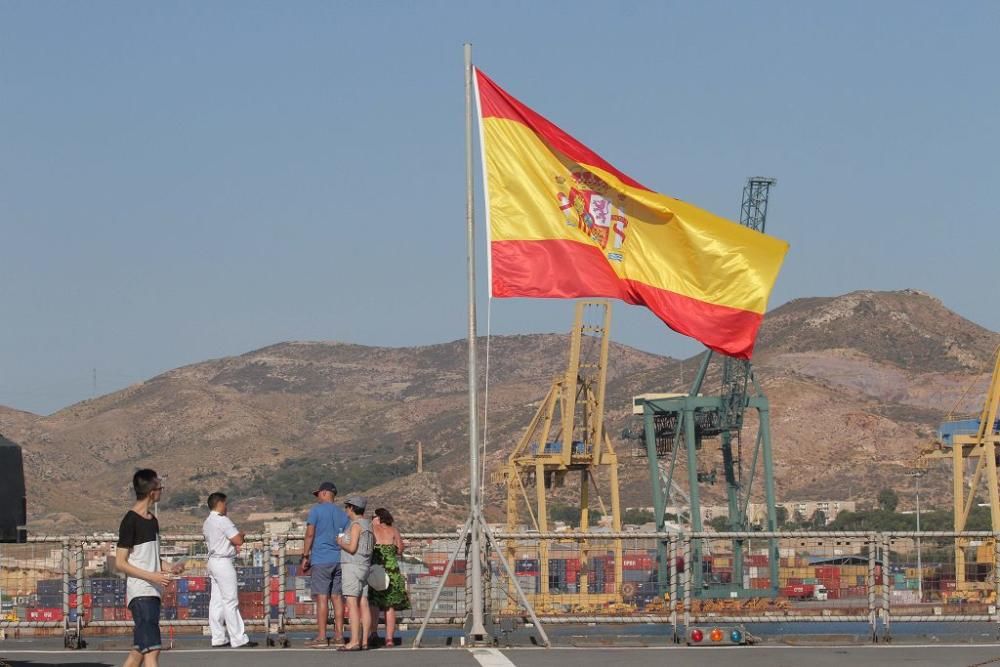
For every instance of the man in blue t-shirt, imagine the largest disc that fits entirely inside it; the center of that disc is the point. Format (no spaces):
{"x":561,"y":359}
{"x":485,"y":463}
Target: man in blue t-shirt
{"x":321,"y":561}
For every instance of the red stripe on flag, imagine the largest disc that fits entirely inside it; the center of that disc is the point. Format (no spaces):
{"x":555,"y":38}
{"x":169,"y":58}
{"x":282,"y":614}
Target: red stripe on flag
{"x":727,"y":330}
{"x":564,"y":269}
{"x":495,"y":102}
{"x":553,"y":268}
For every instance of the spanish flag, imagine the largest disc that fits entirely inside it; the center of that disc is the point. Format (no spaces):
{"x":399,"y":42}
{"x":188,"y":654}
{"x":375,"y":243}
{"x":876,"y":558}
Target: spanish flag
{"x":564,"y":223}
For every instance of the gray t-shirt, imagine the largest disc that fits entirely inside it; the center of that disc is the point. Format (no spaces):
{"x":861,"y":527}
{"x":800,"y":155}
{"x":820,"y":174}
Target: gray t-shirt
{"x":366,"y":544}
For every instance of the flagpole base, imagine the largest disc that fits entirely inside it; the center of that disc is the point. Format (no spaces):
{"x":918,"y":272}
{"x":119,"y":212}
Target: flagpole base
{"x":476,"y":634}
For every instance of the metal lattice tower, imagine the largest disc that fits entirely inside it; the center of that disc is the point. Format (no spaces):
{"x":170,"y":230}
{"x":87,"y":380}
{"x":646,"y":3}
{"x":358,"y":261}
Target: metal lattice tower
{"x":753,"y":212}
{"x":736,"y":373}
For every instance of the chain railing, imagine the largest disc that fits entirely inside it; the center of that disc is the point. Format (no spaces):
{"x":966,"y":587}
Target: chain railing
{"x":68,"y":583}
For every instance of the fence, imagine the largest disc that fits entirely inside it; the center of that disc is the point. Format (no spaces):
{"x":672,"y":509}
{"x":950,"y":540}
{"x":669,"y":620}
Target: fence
{"x":682,"y":580}
{"x":68,"y":583}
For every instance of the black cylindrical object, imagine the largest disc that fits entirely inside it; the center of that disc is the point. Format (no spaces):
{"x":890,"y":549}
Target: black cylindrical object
{"x":13,"y":499}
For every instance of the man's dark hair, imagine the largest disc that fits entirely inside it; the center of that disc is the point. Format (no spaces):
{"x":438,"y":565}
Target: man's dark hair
{"x":144,"y":482}
{"x":215,"y":498}
{"x":383,"y":516}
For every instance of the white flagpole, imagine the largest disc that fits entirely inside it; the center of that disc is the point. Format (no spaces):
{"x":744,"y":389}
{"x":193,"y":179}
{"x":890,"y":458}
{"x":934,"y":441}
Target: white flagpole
{"x":477,"y":630}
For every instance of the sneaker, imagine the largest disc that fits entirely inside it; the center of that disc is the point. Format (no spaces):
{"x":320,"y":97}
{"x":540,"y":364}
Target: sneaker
{"x":248,"y":645}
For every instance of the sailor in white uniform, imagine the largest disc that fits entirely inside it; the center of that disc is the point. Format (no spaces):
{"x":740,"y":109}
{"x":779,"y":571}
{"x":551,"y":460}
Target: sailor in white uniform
{"x":222,"y":537}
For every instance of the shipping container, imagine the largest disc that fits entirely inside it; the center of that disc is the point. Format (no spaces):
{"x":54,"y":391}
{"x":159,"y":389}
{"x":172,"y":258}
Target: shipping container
{"x":49,"y":587}
{"x":638,"y":562}
{"x":525,"y":565}
{"x":49,"y":600}
{"x":45,"y":614}
{"x":88,"y":615}
{"x":195,"y":584}
{"x":88,"y":600}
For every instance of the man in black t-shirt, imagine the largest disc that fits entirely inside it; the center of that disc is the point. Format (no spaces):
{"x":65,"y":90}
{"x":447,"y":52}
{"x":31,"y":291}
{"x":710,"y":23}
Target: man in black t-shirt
{"x":138,"y":556}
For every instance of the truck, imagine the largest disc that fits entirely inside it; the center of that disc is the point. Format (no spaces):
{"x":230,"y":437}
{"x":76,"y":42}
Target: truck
{"x":804,"y":592}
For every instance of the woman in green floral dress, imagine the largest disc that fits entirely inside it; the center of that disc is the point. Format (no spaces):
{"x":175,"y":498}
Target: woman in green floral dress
{"x":388,"y":549}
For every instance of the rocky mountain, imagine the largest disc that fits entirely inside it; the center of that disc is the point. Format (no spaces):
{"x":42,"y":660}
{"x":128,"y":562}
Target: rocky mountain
{"x":857,"y":384}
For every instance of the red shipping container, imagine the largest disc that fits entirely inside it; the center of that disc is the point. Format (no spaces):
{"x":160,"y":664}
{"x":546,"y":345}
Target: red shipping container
{"x":436,"y":569}
{"x":197,"y":584}
{"x":455,"y":580}
{"x":637,"y":563}
{"x":757,"y":560}
{"x":609,"y":587}
{"x":274,"y":598}
{"x":88,"y":600}
{"x":183,"y":613}
{"x":45,"y":614}
{"x":122,"y":614}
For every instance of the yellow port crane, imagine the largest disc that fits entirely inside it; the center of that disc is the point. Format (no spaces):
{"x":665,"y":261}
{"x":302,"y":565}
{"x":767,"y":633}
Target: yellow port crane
{"x":567,"y":435}
{"x":960,"y":438}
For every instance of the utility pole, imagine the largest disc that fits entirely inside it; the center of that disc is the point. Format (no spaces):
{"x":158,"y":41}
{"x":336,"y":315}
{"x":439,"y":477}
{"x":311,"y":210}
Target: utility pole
{"x":916,"y":475}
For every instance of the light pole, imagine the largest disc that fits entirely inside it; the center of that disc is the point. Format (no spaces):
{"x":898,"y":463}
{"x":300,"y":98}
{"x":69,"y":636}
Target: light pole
{"x":917,"y":474}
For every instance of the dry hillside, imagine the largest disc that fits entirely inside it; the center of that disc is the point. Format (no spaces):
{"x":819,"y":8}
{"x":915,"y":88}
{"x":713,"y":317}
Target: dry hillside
{"x":856,"y":383}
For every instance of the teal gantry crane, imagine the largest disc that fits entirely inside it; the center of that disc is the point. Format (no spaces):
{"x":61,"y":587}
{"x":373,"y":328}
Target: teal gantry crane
{"x":674,"y":423}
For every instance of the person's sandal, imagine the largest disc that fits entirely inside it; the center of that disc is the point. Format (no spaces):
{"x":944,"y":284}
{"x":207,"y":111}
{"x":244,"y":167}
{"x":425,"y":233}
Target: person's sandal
{"x":348,"y":647}
{"x":318,"y":643}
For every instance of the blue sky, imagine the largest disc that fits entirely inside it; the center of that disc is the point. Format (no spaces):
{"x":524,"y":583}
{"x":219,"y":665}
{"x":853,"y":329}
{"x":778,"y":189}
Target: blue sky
{"x":187,"y":180}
